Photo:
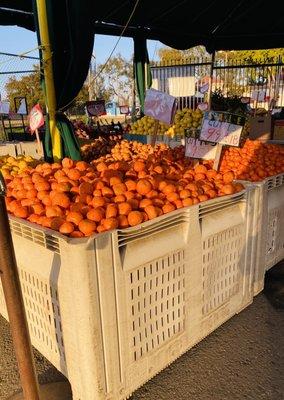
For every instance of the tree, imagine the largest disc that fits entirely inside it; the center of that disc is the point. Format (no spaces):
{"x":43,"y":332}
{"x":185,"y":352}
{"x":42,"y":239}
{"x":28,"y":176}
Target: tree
{"x":27,"y":86}
{"x":169,"y":55}
{"x":115,"y":80}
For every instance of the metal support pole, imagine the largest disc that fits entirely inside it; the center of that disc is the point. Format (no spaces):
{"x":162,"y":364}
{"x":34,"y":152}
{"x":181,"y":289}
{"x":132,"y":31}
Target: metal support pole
{"x":15,"y":305}
{"x":48,"y":77}
{"x":211,"y":80}
{"x":90,"y":82}
{"x":17,"y":318}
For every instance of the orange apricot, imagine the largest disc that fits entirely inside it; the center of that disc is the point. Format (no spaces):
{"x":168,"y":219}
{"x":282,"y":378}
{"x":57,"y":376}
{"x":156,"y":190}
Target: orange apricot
{"x":168,"y":208}
{"x":75,"y":217}
{"x":111,"y":210}
{"x":67,"y":163}
{"x":122,"y":221}
{"x":119,"y":188}
{"x":21,"y":212}
{"x":66,"y":228}
{"x":95,"y":214}
{"x":143,"y":186}
{"x":110,"y":223}
{"x":76,"y":234}
{"x":98,"y":202}
{"x":53,"y":211}
{"x":87,"y":227}
{"x":151,"y":211}
{"x":61,"y":199}
{"x":131,"y":184}
{"x":139,"y":166}
{"x":124,"y":208}
{"x":135,"y":218}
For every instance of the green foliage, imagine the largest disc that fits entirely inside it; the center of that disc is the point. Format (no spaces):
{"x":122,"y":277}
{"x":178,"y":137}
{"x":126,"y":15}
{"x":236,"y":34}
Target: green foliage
{"x":167,"y":54}
{"x":231,"y":103}
{"x":173,"y":56}
{"x":116,"y":81}
{"x":27,"y":86}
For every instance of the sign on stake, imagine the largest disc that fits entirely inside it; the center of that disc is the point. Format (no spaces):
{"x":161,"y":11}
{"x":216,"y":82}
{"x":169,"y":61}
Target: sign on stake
{"x":160,"y":106}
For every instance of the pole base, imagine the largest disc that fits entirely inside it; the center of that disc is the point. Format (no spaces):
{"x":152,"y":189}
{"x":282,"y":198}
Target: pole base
{"x":50,"y":391}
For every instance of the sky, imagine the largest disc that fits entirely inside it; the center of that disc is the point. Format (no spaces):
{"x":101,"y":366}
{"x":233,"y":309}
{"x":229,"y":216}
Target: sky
{"x":18,"y":40}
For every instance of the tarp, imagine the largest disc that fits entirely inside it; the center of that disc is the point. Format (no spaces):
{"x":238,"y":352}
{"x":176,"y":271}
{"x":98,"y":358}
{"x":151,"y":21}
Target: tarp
{"x":142,"y":70}
{"x":219,"y":25}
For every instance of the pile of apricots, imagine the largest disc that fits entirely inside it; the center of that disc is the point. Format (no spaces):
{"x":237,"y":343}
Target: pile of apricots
{"x":80,"y":199}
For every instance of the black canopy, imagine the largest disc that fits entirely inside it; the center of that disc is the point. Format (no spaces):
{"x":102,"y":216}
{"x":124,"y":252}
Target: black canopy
{"x":244,"y":24}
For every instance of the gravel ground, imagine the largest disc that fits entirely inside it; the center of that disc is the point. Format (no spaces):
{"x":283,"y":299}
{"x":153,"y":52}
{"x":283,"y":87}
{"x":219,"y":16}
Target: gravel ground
{"x":243,"y":359}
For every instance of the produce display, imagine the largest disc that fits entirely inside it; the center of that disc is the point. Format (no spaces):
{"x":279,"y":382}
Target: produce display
{"x":185,"y":119}
{"x":131,"y":150}
{"x":96,"y":129}
{"x":99,"y":147}
{"x":11,"y":166}
{"x":78,"y":199}
{"x":254,"y":161}
{"x":146,"y":126}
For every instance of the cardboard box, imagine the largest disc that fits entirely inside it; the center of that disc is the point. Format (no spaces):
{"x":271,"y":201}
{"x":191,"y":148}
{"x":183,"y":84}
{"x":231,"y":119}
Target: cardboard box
{"x":260,"y":127}
{"x":278,"y":133}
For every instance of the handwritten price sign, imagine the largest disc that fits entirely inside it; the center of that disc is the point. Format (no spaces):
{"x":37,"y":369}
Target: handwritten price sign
{"x":36,"y":119}
{"x":222,"y":128}
{"x":161,"y":106}
{"x":195,"y":148}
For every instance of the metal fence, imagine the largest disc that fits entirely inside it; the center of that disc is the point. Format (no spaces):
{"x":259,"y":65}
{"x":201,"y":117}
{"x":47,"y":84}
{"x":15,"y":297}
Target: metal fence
{"x":188,"y":80}
{"x":15,"y":66}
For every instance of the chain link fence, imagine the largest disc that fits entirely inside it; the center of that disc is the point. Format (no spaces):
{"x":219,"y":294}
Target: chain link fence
{"x":15,"y":67}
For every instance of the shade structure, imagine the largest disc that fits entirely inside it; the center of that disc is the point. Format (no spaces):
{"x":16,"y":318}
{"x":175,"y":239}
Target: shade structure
{"x":142,"y":70}
{"x":241,"y":24}
{"x":178,"y":23}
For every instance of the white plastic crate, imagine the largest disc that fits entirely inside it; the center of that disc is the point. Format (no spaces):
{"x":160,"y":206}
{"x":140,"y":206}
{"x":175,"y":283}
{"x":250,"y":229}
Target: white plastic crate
{"x":274,"y":188}
{"x":30,"y":149}
{"x":113,"y":310}
{"x":8,"y":149}
{"x":268,"y":227}
{"x":69,"y":289}
{"x":222,"y":238}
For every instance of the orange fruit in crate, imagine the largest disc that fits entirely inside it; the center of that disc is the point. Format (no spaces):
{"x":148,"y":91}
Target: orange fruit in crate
{"x":66,"y":228}
{"x":135,"y":218}
{"x":87,"y":227}
{"x":143,"y":186}
{"x":110,"y":223}
{"x":75,"y":217}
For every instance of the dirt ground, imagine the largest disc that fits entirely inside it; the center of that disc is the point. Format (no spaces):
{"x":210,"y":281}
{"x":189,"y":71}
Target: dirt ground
{"x":243,"y":359}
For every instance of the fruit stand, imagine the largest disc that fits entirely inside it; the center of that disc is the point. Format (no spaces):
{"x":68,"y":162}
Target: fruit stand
{"x":172,"y":252}
{"x":130,"y":257}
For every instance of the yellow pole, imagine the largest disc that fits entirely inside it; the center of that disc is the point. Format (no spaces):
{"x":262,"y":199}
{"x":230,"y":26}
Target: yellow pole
{"x":48,"y":77}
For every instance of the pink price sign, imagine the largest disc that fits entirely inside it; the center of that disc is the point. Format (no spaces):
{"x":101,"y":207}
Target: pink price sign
{"x":36,"y":118}
{"x":160,"y":106}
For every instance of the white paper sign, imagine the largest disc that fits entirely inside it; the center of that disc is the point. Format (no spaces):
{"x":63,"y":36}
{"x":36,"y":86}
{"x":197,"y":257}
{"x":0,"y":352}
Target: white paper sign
{"x":258,"y":95}
{"x":195,"y":148}
{"x":22,"y":107}
{"x":160,"y":106}
{"x":217,"y":130}
{"x":182,"y":86}
{"x":4,"y":107}
{"x":155,"y":84}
